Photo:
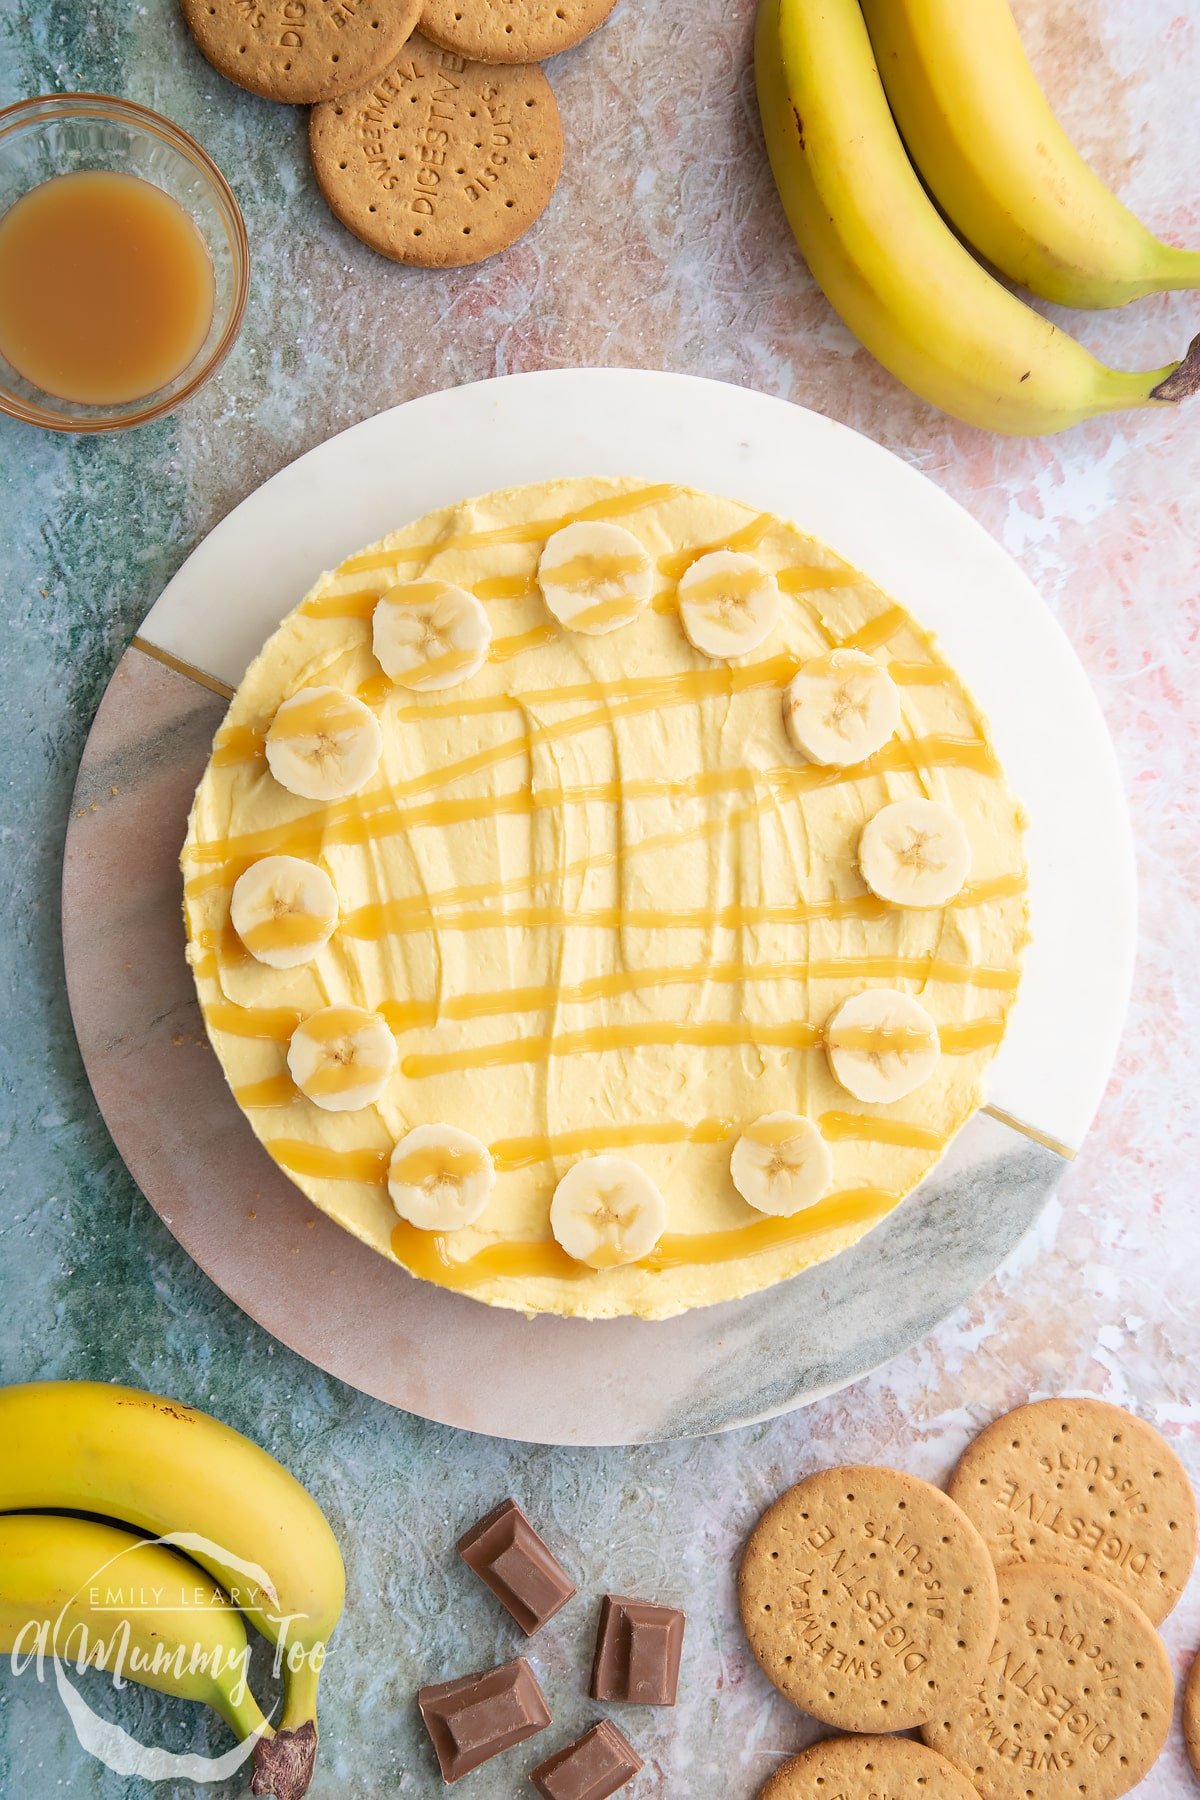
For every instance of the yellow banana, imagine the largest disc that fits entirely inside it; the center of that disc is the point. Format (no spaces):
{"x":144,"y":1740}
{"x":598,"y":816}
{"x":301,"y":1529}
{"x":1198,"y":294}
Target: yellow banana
{"x":166,"y":1468}
{"x":103,"y":1598}
{"x":886,"y":260}
{"x":1000,"y":165}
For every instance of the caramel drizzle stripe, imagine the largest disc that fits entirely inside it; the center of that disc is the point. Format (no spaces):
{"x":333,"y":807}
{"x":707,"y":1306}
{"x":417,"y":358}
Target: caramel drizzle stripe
{"x":837,"y":1127}
{"x":372,"y":692}
{"x":921,"y":674}
{"x":609,"y":699}
{"x":356,"y":603}
{"x":245,"y":743}
{"x":351,"y":822}
{"x":318,"y":1160}
{"x":275,"y":1090}
{"x":278,"y":1023}
{"x":877,"y":631}
{"x":676,"y":563}
{"x":689,"y":687}
{"x":632,"y":981}
{"x":437,"y":912}
{"x":672,"y":565}
{"x":505,"y":648}
{"x":956,"y":1040}
{"x":511,"y":1154}
{"x":427,"y":1253}
{"x":270,"y":1024}
{"x":323,"y":1164}
{"x":522,"y":1152}
{"x":360,"y":603}
{"x":615,"y":507}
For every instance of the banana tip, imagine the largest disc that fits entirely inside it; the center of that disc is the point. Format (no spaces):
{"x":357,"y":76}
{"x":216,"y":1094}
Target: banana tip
{"x":283,"y":1765}
{"x":1184,"y":380}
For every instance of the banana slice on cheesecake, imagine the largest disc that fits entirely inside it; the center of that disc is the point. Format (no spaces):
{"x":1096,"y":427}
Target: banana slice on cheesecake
{"x":781,"y":1164}
{"x":440,"y":1178}
{"x":428,"y":635}
{"x":323,"y":744}
{"x":606,"y":1211}
{"x":840,"y":708}
{"x":914,"y":853}
{"x":728,"y":603}
{"x":284,"y":910}
{"x":882,"y":1045}
{"x":595,"y":576}
{"x":342,"y":1058}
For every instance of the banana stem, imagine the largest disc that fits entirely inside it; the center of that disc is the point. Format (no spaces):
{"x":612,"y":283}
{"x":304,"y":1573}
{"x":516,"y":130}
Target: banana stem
{"x":1181,"y":382}
{"x":1179,"y":270}
{"x":299,"y":1697}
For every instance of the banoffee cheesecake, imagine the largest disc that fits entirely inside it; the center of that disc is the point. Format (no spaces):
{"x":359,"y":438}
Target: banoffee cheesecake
{"x":604,"y":900}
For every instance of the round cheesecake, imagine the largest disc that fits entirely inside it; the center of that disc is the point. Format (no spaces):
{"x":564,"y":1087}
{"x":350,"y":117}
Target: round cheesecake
{"x":604,"y":873}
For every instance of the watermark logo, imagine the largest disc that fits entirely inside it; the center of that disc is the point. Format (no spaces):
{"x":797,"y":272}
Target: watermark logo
{"x":96,"y":1628}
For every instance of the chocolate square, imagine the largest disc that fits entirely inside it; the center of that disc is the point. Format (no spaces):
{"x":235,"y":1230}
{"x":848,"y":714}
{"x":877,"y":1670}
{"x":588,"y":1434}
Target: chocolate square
{"x":524,"y":1574}
{"x":475,"y":1717}
{"x":638,"y":1650}
{"x":596,"y":1765}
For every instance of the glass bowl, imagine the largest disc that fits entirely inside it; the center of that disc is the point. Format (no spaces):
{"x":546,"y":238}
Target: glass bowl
{"x":57,"y":134}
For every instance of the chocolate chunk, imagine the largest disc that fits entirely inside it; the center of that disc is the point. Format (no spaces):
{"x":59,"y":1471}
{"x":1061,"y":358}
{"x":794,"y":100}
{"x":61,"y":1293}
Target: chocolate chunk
{"x":506,"y":1552}
{"x":595,"y":1766}
{"x":476,"y":1717}
{"x":638,"y":1648}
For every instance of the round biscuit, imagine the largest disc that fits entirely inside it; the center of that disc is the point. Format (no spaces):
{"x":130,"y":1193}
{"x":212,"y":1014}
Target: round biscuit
{"x":1077,"y":1695}
{"x":439,"y":162}
{"x":868,"y":1598}
{"x":512,"y":31}
{"x":864,"y":1768}
{"x":1084,"y":1483}
{"x":301,"y":51}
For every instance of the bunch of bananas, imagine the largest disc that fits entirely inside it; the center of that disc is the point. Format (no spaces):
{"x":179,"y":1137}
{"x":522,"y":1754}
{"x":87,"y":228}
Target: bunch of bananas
{"x":835,"y":80}
{"x":138,"y":1607}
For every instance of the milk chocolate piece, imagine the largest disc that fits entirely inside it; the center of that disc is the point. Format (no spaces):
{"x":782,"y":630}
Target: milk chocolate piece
{"x":638,"y":1648}
{"x":598,"y":1764}
{"x":476,"y":1717}
{"x":508,"y":1555}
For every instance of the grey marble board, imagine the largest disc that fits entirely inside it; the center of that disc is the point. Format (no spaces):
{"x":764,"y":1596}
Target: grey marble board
{"x":354,"y":1313}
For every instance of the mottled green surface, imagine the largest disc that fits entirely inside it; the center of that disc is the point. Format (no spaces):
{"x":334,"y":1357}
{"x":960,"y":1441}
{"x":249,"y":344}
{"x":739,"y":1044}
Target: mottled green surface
{"x":663,"y":247}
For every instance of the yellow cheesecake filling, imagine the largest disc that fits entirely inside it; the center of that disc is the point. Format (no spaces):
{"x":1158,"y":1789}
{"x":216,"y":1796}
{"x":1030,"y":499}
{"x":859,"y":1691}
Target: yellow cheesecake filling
{"x":603,"y":903}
